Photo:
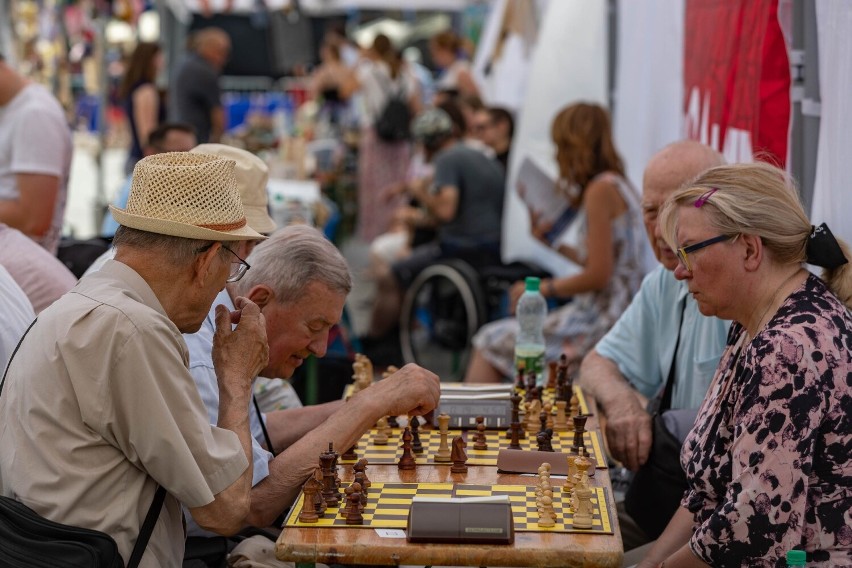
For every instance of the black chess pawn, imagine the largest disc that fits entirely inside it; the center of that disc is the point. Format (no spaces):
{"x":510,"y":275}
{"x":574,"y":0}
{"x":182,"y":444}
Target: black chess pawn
{"x":360,"y":467}
{"x":416,"y":444}
{"x":480,"y":442}
{"x":542,"y":418}
{"x":579,"y":431}
{"x":393,"y":422}
{"x":515,"y":429}
{"x":406,"y":461}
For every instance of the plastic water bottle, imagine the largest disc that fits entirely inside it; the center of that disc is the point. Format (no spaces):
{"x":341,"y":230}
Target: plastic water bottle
{"x":796,"y":558}
{"x":529,"y":345}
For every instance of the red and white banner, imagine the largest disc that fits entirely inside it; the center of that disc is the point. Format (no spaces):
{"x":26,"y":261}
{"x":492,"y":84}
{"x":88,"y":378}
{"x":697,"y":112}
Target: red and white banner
{"x":737,"y":78}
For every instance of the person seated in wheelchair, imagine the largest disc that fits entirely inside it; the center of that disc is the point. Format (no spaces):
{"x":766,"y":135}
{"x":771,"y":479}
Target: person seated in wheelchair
{"x":605,"y":238}
{"x":465,"y":204}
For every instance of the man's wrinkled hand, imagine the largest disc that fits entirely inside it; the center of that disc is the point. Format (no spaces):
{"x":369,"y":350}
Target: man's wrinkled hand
{"x":628,"y":434}
{"x":242,"y":351}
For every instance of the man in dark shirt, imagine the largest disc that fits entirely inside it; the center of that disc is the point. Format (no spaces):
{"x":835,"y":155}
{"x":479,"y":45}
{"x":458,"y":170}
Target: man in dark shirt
{"x":196,"y":96}
{"x":465,"y":203}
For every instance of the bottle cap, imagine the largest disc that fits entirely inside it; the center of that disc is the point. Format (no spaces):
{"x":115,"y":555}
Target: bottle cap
{"x":532,"y":283}
{"x":796,"y":557}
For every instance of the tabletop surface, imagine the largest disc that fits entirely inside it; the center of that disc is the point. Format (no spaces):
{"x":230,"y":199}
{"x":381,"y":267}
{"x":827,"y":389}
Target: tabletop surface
{"x":365,"y":546}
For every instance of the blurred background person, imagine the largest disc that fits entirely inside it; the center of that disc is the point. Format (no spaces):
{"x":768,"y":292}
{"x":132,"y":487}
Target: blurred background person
{"x":196,"y":97}
{"x":495,"y":127}
{"x":330,"y":85}
{"x":41,"y":276}
{"x":381,"y":163}
{"x":447,"y":54}
{"x":35,"y":158}
{"x":141,"y":99}
{"x":167,"y":137}
{"x":605,"y":238}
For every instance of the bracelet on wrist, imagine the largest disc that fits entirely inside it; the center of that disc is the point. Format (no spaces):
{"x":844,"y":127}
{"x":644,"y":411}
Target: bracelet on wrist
{"x":549,"y":288}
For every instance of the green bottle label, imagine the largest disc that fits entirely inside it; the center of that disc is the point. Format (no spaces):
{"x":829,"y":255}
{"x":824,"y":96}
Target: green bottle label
{"x":530,"y":361}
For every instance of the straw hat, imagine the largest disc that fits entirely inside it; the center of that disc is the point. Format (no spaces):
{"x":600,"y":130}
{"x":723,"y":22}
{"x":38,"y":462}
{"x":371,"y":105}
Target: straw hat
{"x":252,"y":176}
{"x":193,"y":196}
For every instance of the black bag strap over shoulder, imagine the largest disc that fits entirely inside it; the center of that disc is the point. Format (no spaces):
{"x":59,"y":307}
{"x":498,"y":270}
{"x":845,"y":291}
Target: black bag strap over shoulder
{"x":45,"y":529}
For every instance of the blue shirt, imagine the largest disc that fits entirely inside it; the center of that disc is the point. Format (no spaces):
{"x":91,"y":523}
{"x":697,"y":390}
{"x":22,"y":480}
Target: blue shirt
{"x":110,"y":225}
{"x":200,"y":346}
{"x":642,"y":341}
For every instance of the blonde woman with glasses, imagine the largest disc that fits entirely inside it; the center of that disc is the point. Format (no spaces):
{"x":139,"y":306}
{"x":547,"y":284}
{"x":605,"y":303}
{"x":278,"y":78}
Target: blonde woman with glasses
{"x":768,"y":459}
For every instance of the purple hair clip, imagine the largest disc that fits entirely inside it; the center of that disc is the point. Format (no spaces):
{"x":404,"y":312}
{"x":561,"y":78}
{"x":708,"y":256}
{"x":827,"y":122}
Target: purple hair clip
{"x":704,"y":197}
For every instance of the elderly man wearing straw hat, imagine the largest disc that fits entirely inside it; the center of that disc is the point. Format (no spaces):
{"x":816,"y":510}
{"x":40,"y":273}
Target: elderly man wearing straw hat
{"x":99,"y":406}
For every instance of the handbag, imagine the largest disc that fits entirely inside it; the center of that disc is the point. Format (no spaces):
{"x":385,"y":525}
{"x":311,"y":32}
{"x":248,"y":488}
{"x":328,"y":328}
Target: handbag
{"x":28,"y":540}
{"x":658,"y":487}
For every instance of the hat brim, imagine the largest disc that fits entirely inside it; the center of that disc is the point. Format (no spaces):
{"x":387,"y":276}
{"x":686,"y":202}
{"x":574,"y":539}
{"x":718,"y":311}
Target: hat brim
{"x":183,"y":230}
{"x":259,"y":220}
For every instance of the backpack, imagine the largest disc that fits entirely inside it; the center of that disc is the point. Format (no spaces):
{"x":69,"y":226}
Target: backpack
{"x":394,"y":121}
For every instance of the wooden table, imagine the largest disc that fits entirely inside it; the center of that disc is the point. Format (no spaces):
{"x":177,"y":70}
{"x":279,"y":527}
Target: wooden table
{"x":364,"y":546}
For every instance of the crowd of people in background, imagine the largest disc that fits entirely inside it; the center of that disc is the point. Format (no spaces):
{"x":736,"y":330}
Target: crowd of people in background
{"x":728,"y":344}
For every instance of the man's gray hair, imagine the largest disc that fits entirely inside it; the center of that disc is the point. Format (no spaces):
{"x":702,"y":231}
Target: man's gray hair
{"x":291,"y":259}
{"x":176,"y":251}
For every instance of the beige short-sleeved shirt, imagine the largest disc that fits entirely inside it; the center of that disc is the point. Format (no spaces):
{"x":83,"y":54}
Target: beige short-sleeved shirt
{"x":99,"y":407}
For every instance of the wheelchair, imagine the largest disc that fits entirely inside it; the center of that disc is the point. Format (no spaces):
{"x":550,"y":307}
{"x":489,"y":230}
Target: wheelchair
{"x":445,"y":306}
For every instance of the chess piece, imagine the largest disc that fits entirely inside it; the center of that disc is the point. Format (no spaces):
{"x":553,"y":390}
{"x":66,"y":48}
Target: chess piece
{"x":515,"y":442}
{"x":350,"y":455}
{"x":520,"y":386}
{"x":551,"y":375}
{"x":406,"y":461}
{"x":583,"y":498}
{"x":319,"y":502}
{"x":381,"y":438}
{"x":458,"y":455}
{"x":443,"y":454}
{"x":531,"y":378}
{"x":515,"y":399}
{"x":574,"y":404}
{"x":416,"y":444}
{"x":393,"y":422}
{"x":562,"y":378}
{"x":532,"y":416}
{"x":548,"y":412}
{"x":560,"y":423}
{"x":329,"y":489}
{"x":579,"y":431}
{"x":360,"y":467}
{"x":334,"y":470}
{"x":367,"y":373}
{"x":546,"y":516}
{"x":353,"y":511}
{"x":361,"y":480}
{"x":391,"y":369}
{"x":309,"y":510}
{"x":542,"y":419}
{"x":572,"y":471}
{"x":479,"y":442}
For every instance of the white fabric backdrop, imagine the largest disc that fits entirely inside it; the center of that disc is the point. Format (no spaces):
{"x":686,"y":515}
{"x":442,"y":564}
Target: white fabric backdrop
{"x":569,"y":65}
{"x":648,"y":102}
{"x":831,"y":202}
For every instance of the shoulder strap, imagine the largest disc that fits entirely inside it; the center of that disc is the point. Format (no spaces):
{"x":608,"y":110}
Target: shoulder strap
{"x":147,"y":527}
{"x":263,"y":426}
{"x":156,"y":504}
{"x":663,"y":401}
{"x":12,"y":356}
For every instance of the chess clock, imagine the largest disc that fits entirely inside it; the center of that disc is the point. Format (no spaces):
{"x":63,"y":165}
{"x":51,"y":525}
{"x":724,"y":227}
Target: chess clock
{"x":463,"y":412}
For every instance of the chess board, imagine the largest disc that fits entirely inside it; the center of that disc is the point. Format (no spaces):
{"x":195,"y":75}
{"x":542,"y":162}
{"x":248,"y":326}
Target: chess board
{"x":388,"y":505}
{"x":495,"y":439}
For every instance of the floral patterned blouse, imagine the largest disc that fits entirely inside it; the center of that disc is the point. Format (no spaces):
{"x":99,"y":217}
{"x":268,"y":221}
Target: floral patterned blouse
{"x":769,"y":460}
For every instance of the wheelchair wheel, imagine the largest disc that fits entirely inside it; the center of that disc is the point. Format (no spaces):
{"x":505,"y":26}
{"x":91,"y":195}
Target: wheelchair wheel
{"x":442,"y":309}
